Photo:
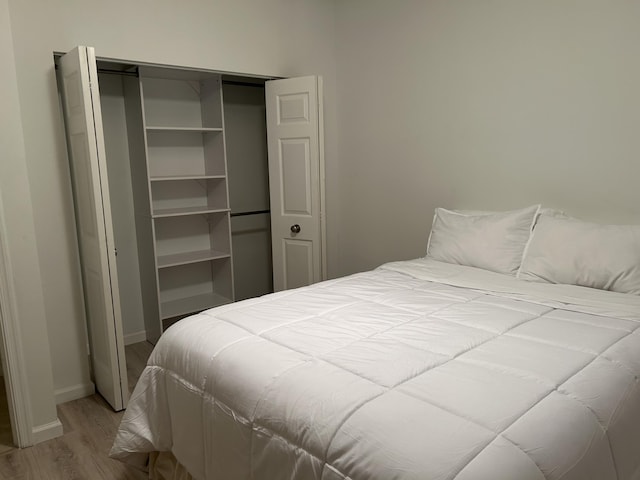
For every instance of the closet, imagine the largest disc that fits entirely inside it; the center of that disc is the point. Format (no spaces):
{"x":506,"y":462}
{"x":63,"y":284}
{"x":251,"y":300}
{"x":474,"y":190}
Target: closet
{"x":201,"y":207}
{"x":182,"y":199}
{"x":170,"y":207}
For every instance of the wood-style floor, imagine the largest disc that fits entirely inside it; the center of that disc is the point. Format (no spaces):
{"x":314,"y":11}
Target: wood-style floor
{"x":6,"y":441}
{"x":82,"y":452}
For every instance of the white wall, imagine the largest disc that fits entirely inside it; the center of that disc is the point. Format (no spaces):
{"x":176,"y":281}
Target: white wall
{"x":276,"y":37}
{"x":21,"y":244}
{"x":455,"y":103}
{"x":480,"y":104}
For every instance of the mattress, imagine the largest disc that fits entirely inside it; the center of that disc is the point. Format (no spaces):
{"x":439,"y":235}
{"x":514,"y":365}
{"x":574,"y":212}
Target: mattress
{"x":415,"y":370}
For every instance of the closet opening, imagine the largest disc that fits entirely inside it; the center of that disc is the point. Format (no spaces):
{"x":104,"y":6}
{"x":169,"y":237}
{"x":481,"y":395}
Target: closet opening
{"x":247,"y":181}
{"x":172,"y":145}
{"x":172,"y":170}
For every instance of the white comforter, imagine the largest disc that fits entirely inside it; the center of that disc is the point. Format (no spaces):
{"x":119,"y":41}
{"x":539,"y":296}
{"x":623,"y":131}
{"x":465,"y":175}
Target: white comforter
{"x":391,"y":374}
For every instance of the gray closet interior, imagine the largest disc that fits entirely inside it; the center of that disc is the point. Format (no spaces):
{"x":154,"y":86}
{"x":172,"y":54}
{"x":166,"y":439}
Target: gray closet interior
{"x":146,"y":114}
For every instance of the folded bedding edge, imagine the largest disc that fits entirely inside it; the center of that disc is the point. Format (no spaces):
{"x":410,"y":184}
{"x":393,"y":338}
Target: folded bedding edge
{"x":571,"y":297}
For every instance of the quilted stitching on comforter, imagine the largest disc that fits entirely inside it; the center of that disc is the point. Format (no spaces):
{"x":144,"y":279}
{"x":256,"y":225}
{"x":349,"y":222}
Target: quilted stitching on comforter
{"x":383,"y":376}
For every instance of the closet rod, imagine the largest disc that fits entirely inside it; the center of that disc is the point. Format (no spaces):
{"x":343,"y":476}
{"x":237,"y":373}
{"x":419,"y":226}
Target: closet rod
{"x":254,"y":212}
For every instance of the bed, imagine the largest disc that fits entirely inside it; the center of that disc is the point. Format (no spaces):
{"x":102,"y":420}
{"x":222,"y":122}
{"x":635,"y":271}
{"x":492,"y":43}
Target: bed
{"x":425,"y":369}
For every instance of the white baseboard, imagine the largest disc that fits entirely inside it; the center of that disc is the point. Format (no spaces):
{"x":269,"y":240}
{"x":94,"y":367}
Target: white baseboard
{"x":45,"y":432}
{"x":135,"y":337}
{"x":74,"y":392}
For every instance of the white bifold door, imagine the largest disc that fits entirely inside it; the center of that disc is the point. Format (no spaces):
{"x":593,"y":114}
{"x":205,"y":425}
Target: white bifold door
{"x":83,"y":118}
{"x":296,"y":179}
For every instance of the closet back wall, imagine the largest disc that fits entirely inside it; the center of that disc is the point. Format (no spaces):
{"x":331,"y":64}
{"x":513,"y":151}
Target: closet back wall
{"x":229,"y":35}
{"x":248,"y":170}
{"x":114,"y":125}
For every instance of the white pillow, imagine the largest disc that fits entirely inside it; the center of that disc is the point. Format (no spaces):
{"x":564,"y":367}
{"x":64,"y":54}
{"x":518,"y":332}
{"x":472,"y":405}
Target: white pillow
{"x":570,"y":251}
{"x":493,"y":241}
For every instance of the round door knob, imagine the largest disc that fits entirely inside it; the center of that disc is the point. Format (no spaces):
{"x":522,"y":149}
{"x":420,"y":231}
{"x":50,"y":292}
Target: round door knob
{"x":295,"y":228}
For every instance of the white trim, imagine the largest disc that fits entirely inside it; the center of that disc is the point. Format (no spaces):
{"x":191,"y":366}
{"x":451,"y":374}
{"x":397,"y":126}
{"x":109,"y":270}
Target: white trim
{"x":135,"y":337}
{"x":323,"y":203}
{"x":45,"y":432}
{"x":11,"y":345}
{"x":74,"y":392}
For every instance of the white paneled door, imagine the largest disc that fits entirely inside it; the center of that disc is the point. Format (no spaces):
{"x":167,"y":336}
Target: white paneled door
{"x":296,"y":179}
{"x":85,"y":142}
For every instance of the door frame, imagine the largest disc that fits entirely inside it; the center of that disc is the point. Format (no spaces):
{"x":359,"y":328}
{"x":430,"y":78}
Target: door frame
{"x":13,"y":366}
{"x":323,"y":196}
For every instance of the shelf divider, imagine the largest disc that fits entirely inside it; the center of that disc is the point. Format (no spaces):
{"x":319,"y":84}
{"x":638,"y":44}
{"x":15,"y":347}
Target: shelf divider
{"x":183,"y":129}
{"x":164,"y":178}
{"x":173,"y":260}
{"x":179,"y":212}
{"x":187,"y":305}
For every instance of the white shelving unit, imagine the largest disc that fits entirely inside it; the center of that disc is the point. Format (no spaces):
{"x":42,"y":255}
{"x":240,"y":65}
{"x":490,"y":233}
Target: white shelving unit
{"x":171,"y":136}
{"x":186,"y":170}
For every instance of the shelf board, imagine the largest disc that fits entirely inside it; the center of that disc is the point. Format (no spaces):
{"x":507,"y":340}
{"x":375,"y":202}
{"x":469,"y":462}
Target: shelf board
{"x":183,"y":129}
{"x":179,"y":212}
{"x":167,"y":72}
{"x":193,"y":304}
{"x":163,"y":178}
{"x":174,"y":260}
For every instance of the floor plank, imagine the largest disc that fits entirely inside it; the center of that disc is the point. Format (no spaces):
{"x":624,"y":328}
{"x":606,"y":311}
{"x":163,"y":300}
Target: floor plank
{"x":82,"y":453}
{"x":6,"y":439}
{"x":137,"y":355}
